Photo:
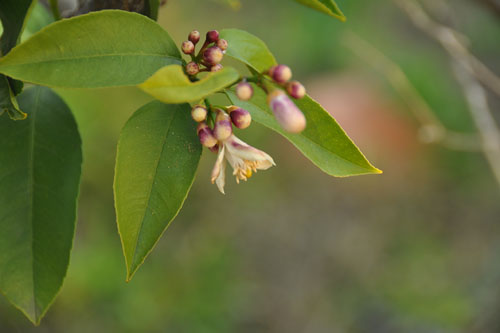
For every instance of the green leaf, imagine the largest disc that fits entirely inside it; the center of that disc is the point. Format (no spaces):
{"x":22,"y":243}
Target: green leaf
{"x":8,"y":101}
{"x":171,"y":85}
{"x":248,"y":49}
{"x":151,"y":8}
{"x":39,"y":18}
{"x":100,"y":49}
{"x":39,"y":180}
{"x":328,"y":7}
{"x":13,"y":14}
{"x":158,"y":154}
{"x":323,"y":141}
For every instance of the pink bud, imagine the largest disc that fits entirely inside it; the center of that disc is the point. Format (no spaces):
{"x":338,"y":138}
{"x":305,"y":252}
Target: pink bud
{"x":206,"y":135}
{"x":286,"y":112}
{"x":244,"y":91}
{"x":216,"y":68}
{"x":222,"y":44}
{"x":280,"y":73}
{"x":212,"y":36}
{"x":187,"y":47}
{"x":241,"y":118}
{"x":213,"y":55}
{"x":192,"y":68}
{"x":296,"y":89}
{"x":223,"y":128}
{"x":194,"y":36}
{"x":199,"y":113}
{"x":214,"y":149}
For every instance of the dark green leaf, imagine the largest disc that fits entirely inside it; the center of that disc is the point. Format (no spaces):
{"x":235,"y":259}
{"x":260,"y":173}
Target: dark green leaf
{"x":100,"y":49}
{"x":151,"y":8}
{"x":171,"y":85}
{"x":13,"y":14}
{"x":39,"y":179}
{"x":248,"y":49}
{"x":328,"y":7}
{"x":158,"y":154}
{"x":8,"y":101}
{"x":323,"y":141}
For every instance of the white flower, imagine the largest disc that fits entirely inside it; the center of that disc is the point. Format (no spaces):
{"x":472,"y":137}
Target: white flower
{"x":243,"y":158}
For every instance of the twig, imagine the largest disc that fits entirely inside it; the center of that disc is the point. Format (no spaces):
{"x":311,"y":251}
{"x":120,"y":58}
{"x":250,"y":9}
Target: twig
{"x":432,"y":130}
{"x":451,"y":42}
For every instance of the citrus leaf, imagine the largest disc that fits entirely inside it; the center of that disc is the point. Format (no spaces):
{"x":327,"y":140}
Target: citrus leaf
{"x":8,"y":102}
{"x":99,"y":49}
{"x":13,"y":14}
{"x":171,"y":85}
{"x":158,"y":154}
{"x":328,"y":7}
{"x":323,"y":141}
{"x":39,"y":180}
{"x":248,"y":49}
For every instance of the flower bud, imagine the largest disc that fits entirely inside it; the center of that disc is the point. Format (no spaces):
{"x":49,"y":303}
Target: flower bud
{"x":213,"y":55}
{"x":216,"y":68}
{"x":296,"y":89}
{"x":206,"y":136}
{"x":192,"y":68}
{"x":199,"y":113}
{"x":194,"y":36}
{"x":286,"y":112}
{"x":241,"y":118}
{"x":187,"y":47}
{"x":222,"y":44}
{"x":223,"y":128}
{"x":244,"y":91}
{"x":280,"y":73}
{"x":212,"y":36}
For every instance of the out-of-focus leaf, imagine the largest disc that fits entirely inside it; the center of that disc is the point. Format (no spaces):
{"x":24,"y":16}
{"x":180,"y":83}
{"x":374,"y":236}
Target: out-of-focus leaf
{"x":151,"y":8}
{"x":8,"y":101}
{"x":100,"y":49}
{"x":158,"y":154}
{"x":171,"y":85}
{"x":248,"y":49}
{"x":328,"y":7}
{"x":39,"y":179}
{"x":323,"y":141}
{"x":13,"y":14}
{"x":39,"y":18}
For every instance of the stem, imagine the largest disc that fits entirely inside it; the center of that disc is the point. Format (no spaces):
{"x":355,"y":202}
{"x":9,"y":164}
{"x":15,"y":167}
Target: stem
{"x":55,"y":9}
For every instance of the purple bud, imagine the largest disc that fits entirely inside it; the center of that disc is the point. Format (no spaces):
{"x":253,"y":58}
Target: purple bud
{"x":187,"y":47}
{"x":213,"y":55}
{"x":296,"y":89}
{"x":194,"y":36}
{"x":216,"y":68}
{"x":280,"y":73}
{"x":199,"y":113}
{"x":212,"y":36}
{"x":222,"y":44}
{"x":244,"y":91}
{"x":223,"y":128}
{"x":192,"y":68}
{"x":206,"y":135}
{"x":286,"y":112}
{"x":241,"y":118}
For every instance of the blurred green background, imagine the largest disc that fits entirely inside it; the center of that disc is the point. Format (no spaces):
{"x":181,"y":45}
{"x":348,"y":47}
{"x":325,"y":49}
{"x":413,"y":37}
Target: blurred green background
{"x":293,"y":250}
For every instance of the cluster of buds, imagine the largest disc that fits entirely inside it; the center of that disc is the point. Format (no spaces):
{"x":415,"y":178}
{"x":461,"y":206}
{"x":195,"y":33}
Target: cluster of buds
{"x":210,"y":54}
{"x":285,"y":111}
{"x":243,"y":158}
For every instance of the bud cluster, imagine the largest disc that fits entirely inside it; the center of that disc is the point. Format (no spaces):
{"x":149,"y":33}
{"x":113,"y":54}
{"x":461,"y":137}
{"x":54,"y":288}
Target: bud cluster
{"x":282,"y":74}
{"x":225,"y":118}
{"x":210,"y":54}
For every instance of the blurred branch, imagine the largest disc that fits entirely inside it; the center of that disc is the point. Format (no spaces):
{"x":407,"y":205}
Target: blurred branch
{"x":493,"y":5}
{"x":432,"y":129}
{"x":452,"y":42}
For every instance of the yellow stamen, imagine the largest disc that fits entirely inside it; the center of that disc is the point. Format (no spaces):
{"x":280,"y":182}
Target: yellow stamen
{"x":249,"y":173}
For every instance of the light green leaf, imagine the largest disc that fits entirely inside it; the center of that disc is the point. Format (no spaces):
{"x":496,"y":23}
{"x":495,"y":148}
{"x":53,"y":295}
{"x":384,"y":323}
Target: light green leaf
{"x":171,"y":85}
{"x":323,"y":141}
{"x":8,"y":101}
{"x":328,"y":7}
{"x":39,"y":18}
{"x":13,"y":14}
{"x":100,"y":49}
{"x":158,"y":154}
{"x":248,"y":49}
{"x":39,"y":179}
